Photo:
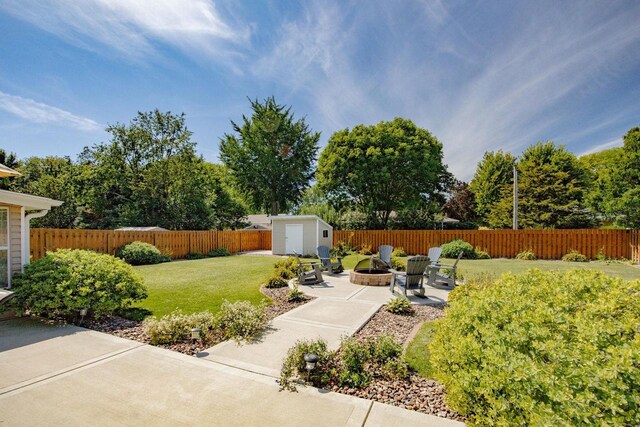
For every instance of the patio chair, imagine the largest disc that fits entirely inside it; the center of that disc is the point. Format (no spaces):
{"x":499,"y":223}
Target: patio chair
{"x":442,"y":274}
{"x":327,"y":262}
{"x":309,"y":273}
{"x":413,"y":278}
{"x":384,"y":254}
{"x":434,"y":255}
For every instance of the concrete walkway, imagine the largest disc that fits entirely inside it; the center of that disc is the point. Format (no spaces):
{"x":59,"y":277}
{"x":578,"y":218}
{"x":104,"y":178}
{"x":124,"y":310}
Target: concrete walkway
{"x":65,"y":375}
{"x":340,"y":309}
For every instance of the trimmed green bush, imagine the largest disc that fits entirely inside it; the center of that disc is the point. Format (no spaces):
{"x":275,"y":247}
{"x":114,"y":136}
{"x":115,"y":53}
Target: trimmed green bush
{"x":294,"y":365}
{"x":218,"y":252}
{"x":286,"y":268}
{"x":195,"y":255}
{"x":399,"y":306}
{"x":141,"y":253}
{"x":241,"y":320}
{"x":67,"y":280}
{"x":542,"y":348}
{"x":397,"y":264}
{"x":176,"y":327}
{"x":527,"y":255}
{"x":274,"y":282}
{"x":453,"y":249}
{"x":574,"y":256}
{"x":399,"y":252}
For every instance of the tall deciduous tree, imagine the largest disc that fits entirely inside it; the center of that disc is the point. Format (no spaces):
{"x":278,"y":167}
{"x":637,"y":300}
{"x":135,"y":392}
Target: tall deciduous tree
{"x":271,"y":156}
{"x":378,"y":169}
{"x":493,"y":178}
{"x":627,"y":206}
{"x":461,"y":204}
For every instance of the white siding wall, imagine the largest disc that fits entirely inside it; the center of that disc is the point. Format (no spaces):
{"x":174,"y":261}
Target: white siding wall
{"x":310,"y":229}
{"x":15,"y":242}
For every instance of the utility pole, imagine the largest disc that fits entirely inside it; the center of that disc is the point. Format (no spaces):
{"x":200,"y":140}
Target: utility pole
{"x":515,"y":198}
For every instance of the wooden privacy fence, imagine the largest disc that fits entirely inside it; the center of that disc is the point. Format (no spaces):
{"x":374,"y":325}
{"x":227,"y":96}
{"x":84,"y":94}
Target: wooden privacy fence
{"x":176,"y":243}
{"x":547,"y":244}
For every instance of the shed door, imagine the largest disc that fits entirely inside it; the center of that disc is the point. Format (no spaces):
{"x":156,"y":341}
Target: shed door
{"x":4,"y":247}
{"x":293,"y":241}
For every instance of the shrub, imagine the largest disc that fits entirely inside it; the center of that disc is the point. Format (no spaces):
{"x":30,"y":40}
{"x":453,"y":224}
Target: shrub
{"x":294,"y":366}
{"x":365,"y":250}
{"x":276,"y":281}
{"x":481,"y":253}
{"x":399,"y":252}
{"x":176,"y":326}
{"x":65,"y":281}
{"x":397,"y":264}
{"x":240,"y":320}
{"x":286,"y":268}
{"x":141,"y":253}
{"x":399,"y":306}
{"x":575,"y":256}
{"x":354,"y":356}
{"x":296,"y":295}
{"x":218,"y":252}
{"x":341,"y":249}
{"x":385,"y":348}
{"x":527,"y":255}
{"x":542,"y":348}
{"x":195,"y":255}
{"x":453,"y":249}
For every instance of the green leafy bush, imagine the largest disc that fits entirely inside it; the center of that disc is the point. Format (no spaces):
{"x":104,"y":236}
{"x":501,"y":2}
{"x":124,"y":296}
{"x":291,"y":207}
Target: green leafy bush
{"x":286,"y":268}
{"x":399,"y":306}
{"x":397,"y":264}
{"x":176,"y":327}
{"x":67,"y":280}
{"x":218,"y":252}
{"x":574,"y":256}
{"x":141,"y":253}
{"x":341,"y":249}
{"x":481,"y":253}
{"x":195,"y":255}
{"x":399,"y":252}
{"x":241,"y":320}
{"x":542,"y":348}
{"x":527,"y":255}
{"x":275,"y":281}
{"x":296,"y":295}
{"x":294,"y":366}
{"x":354,"y":356}
{"x":453,"y":249}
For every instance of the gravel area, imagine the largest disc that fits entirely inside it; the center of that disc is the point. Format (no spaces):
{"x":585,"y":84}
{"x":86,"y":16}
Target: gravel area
{"x":133,"y":330}
{"x":416,"y":393}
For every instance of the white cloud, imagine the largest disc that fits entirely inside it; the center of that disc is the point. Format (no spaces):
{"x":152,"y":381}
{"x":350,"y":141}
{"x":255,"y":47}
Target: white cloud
{"x":611,"y":144}
{"x":133,"y":27}
{"x":37,"y":112}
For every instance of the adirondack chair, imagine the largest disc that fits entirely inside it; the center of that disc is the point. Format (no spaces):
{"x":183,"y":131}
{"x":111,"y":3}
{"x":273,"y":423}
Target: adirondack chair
{"x":442,"y":274}
{"x":434,"y":255}
{"x":328,"y":262}
{"x":413,"y":278}
{"x":384,"y":254}
{"x":309,"y":273}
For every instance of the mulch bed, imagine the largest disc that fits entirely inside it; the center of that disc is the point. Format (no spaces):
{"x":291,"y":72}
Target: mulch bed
{"x":133,"y":329}
{"x":416,"y":393}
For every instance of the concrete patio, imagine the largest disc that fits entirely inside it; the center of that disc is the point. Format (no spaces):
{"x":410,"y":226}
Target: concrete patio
{"x":65,"y":375}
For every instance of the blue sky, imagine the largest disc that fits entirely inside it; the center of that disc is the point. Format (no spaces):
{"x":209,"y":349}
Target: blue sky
{"x":483,"y":75}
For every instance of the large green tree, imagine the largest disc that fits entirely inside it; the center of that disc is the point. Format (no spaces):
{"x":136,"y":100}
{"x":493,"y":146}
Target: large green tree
{"x":626,"y":207}
{"x":391,"y":166}
{"x":605,"y":169}
{"x":149,"y":174}
{"x":492,"y":180}
{"x":53,"y":177}
{"x":271,"y":156}
{"x":552,"y":184}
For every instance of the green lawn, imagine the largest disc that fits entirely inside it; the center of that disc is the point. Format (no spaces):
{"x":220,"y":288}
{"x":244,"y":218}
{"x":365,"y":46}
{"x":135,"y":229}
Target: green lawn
{"x":202,"y":284}
{"x":417,"y":354}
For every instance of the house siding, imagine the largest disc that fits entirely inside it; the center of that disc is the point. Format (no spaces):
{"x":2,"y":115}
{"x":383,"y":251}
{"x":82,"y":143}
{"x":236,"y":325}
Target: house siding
{"x":15,"y":240}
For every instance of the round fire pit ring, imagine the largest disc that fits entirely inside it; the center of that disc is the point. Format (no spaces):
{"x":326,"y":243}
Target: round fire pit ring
{"x":370,"y":277}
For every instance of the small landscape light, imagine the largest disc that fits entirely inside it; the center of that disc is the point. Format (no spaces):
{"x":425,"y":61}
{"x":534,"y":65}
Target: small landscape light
{"x":195,"y":333}
{"x":83,"y":312}
{"x":311,"y":359}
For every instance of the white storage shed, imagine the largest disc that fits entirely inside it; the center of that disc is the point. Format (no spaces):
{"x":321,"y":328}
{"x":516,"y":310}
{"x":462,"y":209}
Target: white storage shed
{"x":299,"y":233}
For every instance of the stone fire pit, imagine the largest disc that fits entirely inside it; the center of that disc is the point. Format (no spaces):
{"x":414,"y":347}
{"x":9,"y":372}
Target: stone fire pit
{"x":370,"y":272}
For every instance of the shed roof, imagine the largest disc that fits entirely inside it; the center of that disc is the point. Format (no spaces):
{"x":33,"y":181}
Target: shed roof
{"x":29,"y":201}
{"x":286,"y":217}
